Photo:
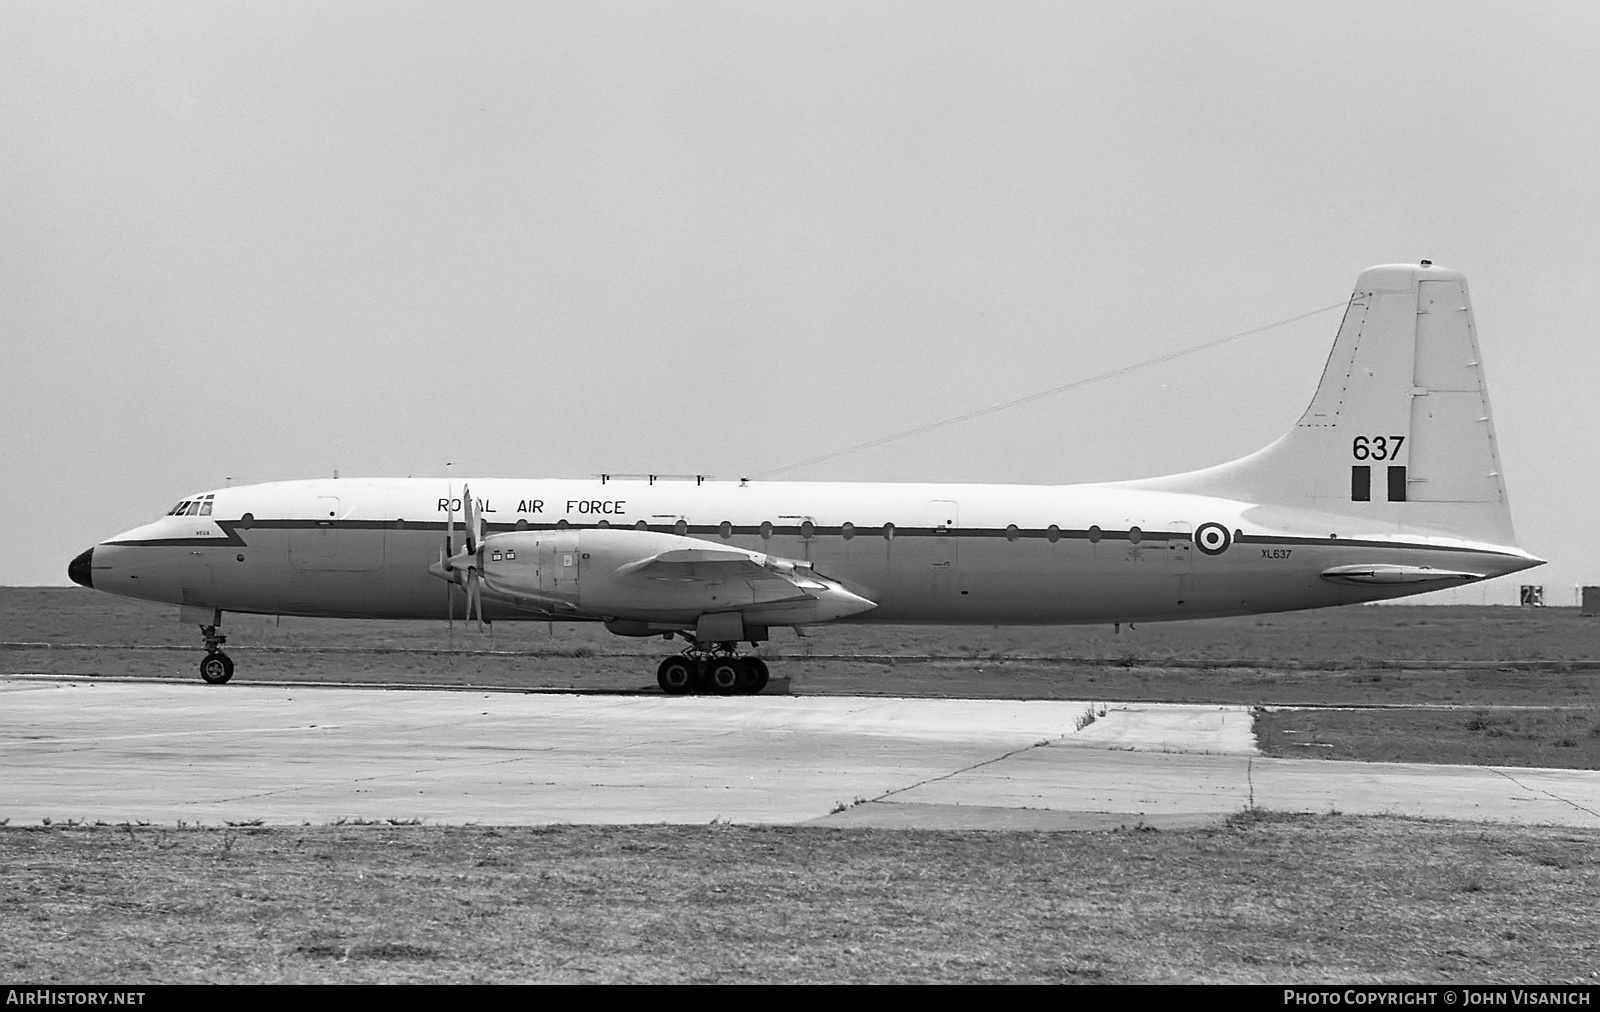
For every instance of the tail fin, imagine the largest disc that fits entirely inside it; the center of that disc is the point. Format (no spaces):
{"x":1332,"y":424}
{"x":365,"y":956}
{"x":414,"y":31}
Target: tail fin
{"x":1399,"y":431}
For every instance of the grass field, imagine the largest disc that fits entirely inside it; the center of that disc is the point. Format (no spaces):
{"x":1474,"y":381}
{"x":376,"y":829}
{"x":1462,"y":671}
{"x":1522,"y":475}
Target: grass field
{"x":1333,"y":638}
{"x":1556,"y":737}
{"x":1262,"y":899}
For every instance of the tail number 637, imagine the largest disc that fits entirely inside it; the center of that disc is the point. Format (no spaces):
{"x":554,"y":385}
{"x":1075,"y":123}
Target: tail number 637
{"x":1376,"y":447}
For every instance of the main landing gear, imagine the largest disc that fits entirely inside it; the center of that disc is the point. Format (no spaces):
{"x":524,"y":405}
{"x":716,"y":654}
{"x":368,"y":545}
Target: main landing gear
{"x":216,"y":667}
{"x":712,"y":669}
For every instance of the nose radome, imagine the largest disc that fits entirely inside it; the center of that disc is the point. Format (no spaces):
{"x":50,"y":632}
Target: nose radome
{"x":78,"y":570}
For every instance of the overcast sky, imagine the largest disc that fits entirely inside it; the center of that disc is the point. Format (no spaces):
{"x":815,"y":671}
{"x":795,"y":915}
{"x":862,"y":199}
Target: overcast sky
{"x":267,"y":241}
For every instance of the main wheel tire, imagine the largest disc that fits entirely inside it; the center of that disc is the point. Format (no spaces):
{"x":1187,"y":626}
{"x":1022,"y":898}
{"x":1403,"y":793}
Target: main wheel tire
{"x":216,"y":668}
{"x":756,"y":671}
{"x":675,"y":675}
{"x":747,"y":676}
{"x":726,"y":674}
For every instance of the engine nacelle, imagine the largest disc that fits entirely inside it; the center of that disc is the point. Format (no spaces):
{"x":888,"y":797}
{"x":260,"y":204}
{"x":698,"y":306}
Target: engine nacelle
{"x":660,"y":578}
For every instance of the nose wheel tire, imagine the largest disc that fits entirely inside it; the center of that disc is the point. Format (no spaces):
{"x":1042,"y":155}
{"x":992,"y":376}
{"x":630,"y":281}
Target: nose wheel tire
{"x":675,"y":675}
{"x":216,"y":668}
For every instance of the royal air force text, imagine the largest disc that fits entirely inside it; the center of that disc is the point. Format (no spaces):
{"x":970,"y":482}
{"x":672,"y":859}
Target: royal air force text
{"x":581,"y":507}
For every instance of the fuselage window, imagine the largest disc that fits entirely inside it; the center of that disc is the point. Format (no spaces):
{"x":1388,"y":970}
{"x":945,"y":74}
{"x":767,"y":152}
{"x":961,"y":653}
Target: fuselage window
{"x":1134,"y":535}
{"x":640,"y":526}
{"x":561,"y":525}
{"x":888,"y":532}
{"x":726,"y":530}
{"x":681,"y":528}
{"x":1094,"y":535}
{"x":1054,"y":534}
{"x":807,"y":529}
{"x":1011,"y":532}
{"x":848,"y":531}
{"x":766,"y":529}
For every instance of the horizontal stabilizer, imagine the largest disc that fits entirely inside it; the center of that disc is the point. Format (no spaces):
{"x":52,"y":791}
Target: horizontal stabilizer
{"x":1384,"y":574}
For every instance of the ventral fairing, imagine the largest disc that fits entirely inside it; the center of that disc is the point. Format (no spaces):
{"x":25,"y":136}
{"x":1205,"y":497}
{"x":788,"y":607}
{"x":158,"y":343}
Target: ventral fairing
{"x":1390,"y":484}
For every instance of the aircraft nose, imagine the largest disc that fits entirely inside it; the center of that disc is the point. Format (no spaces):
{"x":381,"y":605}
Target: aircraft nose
{"x":78,"y":570}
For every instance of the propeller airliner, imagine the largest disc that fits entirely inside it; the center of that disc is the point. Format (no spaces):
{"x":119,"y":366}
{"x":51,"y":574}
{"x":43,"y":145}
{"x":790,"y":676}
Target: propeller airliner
{"x":1390,"y":484}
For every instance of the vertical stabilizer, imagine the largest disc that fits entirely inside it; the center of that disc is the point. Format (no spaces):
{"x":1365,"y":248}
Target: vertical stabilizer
{"x":1399,"y":431}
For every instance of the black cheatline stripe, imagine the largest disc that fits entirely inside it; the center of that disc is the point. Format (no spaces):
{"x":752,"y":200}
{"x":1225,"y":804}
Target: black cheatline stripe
{"x":234,"y":539}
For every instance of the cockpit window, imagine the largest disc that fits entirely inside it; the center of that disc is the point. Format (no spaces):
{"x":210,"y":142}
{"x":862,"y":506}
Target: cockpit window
{"x":198,"y":506}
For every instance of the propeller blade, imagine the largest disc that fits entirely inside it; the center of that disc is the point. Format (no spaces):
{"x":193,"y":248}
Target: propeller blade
{"x":444,"y":562}
{"x":473,"y":521}
{"x":450,"y":529}
{"x":475,"y":598}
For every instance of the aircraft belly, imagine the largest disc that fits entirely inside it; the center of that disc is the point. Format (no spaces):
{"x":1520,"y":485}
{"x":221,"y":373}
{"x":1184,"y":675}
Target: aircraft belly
{"x":269,"y":581}
{"x":1000,"y":582}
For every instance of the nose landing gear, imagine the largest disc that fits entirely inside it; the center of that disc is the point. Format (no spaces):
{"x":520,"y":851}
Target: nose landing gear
{"x":714,"y":669}
{"x":216,"y":667}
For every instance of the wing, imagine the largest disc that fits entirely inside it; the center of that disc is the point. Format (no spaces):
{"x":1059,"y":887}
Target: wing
{"x":770,"y":583}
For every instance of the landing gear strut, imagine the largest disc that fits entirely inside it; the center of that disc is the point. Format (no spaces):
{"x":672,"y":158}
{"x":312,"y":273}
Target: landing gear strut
{"x":216,"y":667}
{"x":715,"y":669}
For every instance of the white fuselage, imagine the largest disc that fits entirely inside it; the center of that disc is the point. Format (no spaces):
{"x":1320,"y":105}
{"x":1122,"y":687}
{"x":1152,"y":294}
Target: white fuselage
{"x":986,"y":554}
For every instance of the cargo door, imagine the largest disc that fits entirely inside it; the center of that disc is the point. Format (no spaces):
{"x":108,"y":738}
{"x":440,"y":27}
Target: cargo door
{"x":328,"y":539}
{"x":944,"y":553}
{"x":314,"y":544}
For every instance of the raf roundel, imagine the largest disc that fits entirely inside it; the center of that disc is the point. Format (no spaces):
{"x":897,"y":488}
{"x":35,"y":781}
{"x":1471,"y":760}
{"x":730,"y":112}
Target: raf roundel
{"x":1212,"y":539}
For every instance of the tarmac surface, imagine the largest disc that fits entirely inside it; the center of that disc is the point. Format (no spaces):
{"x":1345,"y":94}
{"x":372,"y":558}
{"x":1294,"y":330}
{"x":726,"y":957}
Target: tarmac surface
{"x":80,"y":749}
